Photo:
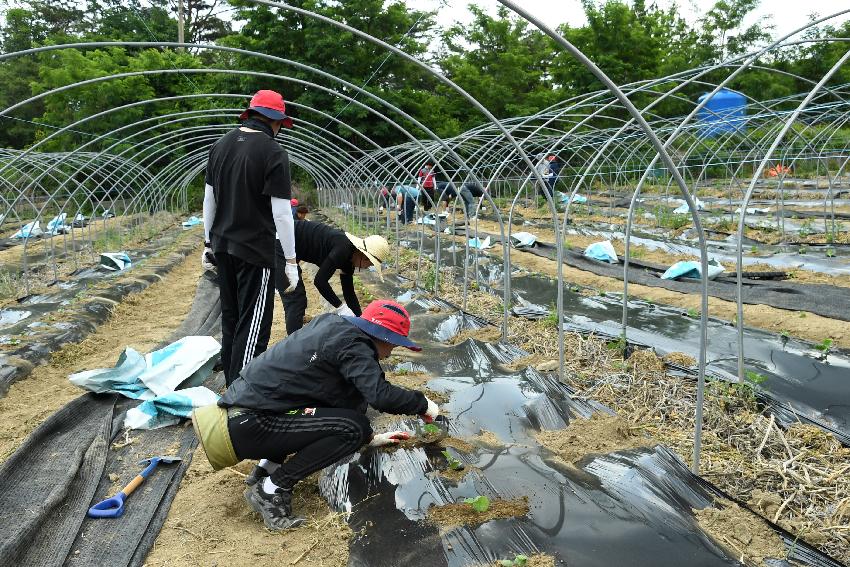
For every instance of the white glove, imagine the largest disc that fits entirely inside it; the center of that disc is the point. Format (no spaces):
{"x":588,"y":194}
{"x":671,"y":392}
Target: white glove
{"x":432,"y":412}
{"x":291,"y":271}
{"x":388,"y":438}
{"x":208,"y":261}
{"x":345,"y":311}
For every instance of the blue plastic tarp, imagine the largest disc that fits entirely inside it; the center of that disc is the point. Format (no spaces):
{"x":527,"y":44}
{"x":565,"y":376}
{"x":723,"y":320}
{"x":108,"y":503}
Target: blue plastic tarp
{"x":691,"y":269}
{"x":166,"y":379}
{"x":602,"y":251}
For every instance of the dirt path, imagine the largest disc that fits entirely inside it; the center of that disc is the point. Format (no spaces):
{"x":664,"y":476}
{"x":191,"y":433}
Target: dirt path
{"x":151,"y":315}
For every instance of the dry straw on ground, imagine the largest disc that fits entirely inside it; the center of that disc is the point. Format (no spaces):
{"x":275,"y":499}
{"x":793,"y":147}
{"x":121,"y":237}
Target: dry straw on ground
{"x":798,"y":478}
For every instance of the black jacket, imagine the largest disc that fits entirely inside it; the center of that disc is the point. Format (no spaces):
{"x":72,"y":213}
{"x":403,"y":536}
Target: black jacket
{"x":329,"y":363}
{"x":329,"y":249}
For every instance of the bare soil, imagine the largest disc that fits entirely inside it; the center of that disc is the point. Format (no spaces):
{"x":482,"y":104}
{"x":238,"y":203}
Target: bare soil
{"x":462,"y":514}
{"x":598,"y":435}
{"x":416,"y":381}
{"x":488,"y":334}
{"x":210,"y":523}
{"x":744,"y":534}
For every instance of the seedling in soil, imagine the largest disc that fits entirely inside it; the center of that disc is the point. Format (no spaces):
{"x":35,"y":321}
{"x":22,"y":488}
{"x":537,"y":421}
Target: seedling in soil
{"x":824,"y":347}
{"x":754,"y":377}
{"x":693,"y":313}
{"x":431,"y":429}
{"x":830,"y":252}
{"x":552,"y":318}
{"x":454,"y":464}
{"x":480,"y":503}
{"x":618,"y":346}
{"x":518,"y":561}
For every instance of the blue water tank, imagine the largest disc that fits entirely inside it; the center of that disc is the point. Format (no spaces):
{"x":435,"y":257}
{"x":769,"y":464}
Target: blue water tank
{"x":724,"y":113}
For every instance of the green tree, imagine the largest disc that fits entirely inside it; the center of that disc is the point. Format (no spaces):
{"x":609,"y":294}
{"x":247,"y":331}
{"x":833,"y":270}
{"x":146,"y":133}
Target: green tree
{"x":130,"y":20}
{"x":723,"y":34}
{"x":342,"y":54}
{"x":501,"y":62}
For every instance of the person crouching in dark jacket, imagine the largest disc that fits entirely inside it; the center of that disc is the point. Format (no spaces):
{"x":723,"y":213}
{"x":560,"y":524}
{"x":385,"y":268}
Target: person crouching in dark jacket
{"x":306,"y":397}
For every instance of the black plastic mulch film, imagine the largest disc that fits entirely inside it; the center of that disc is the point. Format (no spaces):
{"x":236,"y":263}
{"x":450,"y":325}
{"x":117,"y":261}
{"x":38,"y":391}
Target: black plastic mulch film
{"x":799,"y":385}
{"x":42,"y":339}
{"x":626,"y":508}
{"x":65,"y":465}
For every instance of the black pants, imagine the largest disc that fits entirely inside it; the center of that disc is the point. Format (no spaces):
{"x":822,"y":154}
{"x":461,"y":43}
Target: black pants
{"x":247,"y":303}
{"x":318,"y":437}
{"x":294,"y":302}
{"x":427,"y":201}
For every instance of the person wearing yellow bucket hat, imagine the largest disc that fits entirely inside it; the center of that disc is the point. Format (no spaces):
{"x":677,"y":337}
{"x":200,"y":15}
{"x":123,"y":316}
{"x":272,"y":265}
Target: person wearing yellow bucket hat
{"x":333,"y":251}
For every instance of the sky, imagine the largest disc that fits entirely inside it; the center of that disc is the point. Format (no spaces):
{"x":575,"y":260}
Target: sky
{"x":786,"y":15}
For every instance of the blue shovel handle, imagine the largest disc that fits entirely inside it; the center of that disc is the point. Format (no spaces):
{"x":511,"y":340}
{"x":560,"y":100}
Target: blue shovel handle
{"x":109,"y":508}
{"x":114,"y":507}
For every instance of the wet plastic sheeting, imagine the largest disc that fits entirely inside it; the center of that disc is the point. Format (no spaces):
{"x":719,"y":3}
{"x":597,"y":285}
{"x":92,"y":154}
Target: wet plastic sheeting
{"x":637,"y":507}
{"x":816,"y":389}
{"x":625,"y":508}
{"x":798,"y":385}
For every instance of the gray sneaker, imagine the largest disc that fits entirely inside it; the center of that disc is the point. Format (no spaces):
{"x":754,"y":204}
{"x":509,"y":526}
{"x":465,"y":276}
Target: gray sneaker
{"x":257,"y":474}
{"x":275,"y":509}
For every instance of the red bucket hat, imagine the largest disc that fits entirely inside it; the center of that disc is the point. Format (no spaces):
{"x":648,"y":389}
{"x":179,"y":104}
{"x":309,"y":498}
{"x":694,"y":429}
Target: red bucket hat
{"x":271,"y":105}
{"x":387,"y":321}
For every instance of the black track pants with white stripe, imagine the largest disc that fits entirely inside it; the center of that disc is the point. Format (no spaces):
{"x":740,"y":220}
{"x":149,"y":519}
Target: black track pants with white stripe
{"x":314,"y":437}
{"x":247,"y":304}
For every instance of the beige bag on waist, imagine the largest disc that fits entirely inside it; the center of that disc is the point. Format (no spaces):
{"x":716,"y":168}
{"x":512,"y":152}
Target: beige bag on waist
{"x":210,"y":423}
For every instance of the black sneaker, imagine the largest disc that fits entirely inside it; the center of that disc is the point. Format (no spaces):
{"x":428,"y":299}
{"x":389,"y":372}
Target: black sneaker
{"x":276,"y":509}
{"x":257,"y":474}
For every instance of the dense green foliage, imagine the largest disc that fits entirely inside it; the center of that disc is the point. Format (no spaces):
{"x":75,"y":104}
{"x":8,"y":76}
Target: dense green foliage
{"x":500,"y":60}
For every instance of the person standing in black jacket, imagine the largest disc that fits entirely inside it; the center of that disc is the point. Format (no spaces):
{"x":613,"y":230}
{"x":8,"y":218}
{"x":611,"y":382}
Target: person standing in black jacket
{"x":307,"y":396}
{"x":331,"y":250}
{"x":246,"y":201}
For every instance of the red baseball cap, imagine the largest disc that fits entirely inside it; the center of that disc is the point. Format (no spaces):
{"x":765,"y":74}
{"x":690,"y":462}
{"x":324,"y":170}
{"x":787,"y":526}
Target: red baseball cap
{"x":271,"y":105}
{"x":387,"y":321}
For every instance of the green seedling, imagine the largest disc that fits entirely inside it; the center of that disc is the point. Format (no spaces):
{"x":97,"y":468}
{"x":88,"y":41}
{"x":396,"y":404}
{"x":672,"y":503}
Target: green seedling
{"x":619,"y":345}
{"x":431,"y":429}
{"x":754,"y":377}
{"x":518,"y":561}
{"x":454,"y":464}
{"x":480,"y":503}
{"x":693,"y":313}
{"x":830,"y":252}
{"x":824,"y":346}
